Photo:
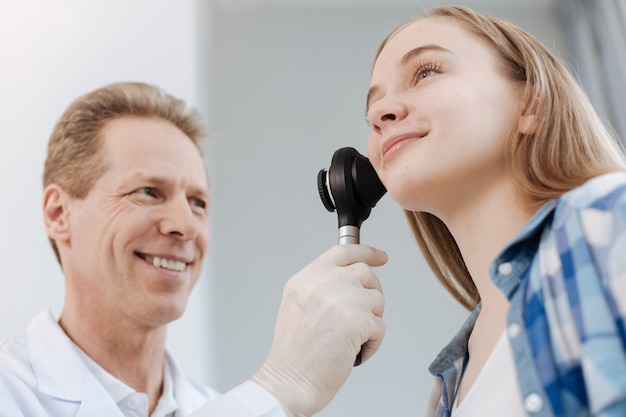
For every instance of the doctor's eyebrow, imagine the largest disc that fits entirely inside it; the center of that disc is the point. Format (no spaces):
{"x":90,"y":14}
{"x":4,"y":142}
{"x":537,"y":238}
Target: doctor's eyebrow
{"x":406,"y":58}
{"x":139,"y":178}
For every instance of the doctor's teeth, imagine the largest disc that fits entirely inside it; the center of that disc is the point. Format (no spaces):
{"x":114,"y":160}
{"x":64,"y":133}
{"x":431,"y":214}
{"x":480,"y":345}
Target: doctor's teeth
{"x":168,"y":264}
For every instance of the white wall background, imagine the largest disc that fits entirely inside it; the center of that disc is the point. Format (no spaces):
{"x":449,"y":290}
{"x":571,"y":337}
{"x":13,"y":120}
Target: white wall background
{"x":283,"y":86}
{"x":52,"y":51}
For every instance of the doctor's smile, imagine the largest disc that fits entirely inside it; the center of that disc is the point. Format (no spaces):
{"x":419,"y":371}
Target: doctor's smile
{"x":164,"y":262}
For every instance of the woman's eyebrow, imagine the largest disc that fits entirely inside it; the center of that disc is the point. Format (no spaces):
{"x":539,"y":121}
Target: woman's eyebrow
{"x":420,"y":50}
{"x":406,"y":58}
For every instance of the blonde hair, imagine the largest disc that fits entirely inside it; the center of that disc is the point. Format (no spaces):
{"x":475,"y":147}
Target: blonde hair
{"x":568,"y":146}
{"x":74,"y":160}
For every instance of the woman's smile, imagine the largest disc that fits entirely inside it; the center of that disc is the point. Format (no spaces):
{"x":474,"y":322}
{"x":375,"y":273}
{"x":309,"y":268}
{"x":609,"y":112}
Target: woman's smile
{"x":394,"y":143}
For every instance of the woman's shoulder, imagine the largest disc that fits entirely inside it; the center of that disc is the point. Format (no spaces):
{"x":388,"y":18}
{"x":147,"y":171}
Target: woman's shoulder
{"x":598,"y":192}
{"x":594,"y":211}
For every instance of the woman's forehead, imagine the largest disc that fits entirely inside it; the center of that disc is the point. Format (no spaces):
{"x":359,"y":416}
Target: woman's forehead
{"x":433,"y":34}
{"x":426,"y":30}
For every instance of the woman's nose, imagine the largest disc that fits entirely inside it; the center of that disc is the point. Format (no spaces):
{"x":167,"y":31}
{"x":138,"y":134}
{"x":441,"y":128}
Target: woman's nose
{"x":385,"y":111}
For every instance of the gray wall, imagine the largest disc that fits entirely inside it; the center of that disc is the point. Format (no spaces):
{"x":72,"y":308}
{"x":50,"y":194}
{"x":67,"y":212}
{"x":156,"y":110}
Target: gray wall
{"x":288,"y":88}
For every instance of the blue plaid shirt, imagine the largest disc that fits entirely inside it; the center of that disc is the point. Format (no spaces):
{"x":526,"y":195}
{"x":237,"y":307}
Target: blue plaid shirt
{"x":565,"y":277}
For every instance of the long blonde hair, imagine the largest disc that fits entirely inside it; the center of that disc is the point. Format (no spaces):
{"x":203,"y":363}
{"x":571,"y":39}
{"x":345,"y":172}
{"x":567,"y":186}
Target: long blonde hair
{"x":568,"y":146}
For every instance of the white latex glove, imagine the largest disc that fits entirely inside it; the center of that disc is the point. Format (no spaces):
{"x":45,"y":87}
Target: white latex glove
{"x":330,"y":310}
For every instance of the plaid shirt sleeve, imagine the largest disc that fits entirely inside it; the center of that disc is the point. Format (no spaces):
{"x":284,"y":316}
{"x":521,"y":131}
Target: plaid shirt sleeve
{"x":582,"y":286}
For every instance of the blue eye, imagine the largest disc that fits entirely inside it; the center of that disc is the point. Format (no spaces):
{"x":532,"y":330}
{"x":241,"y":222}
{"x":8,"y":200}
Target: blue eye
{"x":425,"y":74}
{"x":424,"y":70}
{"x":199,"y":203}
{"x":149,"y":191}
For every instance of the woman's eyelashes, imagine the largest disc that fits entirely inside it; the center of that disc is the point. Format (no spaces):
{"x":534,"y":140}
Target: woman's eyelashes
{"x":424,"y":69}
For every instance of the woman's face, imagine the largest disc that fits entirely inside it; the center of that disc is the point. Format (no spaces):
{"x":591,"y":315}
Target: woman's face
{"x":440,"y":114}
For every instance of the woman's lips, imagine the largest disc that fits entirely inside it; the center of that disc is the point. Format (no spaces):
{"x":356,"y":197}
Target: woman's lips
{"x":395,"y":142}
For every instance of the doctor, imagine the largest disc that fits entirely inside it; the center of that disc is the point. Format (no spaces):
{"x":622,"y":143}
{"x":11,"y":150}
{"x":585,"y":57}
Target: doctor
{"x":126,"y":205}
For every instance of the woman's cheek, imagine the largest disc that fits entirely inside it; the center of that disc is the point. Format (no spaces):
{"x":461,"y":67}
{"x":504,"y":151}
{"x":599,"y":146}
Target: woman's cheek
{"x":373,"y":150}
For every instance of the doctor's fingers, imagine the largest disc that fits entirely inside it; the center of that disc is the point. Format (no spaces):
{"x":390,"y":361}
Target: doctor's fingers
{"x":377,"y":333}
{"x":363,"y":274}
{"x":344,"y":255}
{"x":374,"y":301}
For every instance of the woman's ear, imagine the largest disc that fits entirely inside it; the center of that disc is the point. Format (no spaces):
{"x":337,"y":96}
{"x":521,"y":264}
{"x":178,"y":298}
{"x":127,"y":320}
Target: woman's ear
{"x":527,"y":125}
{"x":56,"y":212}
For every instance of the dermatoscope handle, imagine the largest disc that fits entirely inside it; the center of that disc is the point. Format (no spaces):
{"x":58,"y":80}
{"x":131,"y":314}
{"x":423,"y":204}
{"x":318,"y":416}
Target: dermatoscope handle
{"x":351,"y":187}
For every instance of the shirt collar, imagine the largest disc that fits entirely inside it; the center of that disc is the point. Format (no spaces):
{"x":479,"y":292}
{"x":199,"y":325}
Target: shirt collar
{"x":119,"y":391}
{"x":456,"y":348}
{"x":520,"y":251}
{"x":535,"y":224}
{"x":111,"y":384}
{"x":167,"y":403}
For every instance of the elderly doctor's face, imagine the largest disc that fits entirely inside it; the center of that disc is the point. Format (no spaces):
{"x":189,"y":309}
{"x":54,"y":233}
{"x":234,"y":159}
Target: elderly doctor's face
{"x":440,"y":113}
{"x":139,"y":238}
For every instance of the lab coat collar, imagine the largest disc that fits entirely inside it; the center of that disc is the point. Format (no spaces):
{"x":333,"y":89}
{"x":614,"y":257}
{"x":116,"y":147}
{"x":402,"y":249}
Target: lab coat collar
{"x":189,"y":395}
{"x":57,"y":366}
{"x":60,"y":372}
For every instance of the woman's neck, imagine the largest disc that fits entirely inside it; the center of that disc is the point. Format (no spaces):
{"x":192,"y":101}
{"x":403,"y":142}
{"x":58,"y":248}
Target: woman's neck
{"x":482,"y":227}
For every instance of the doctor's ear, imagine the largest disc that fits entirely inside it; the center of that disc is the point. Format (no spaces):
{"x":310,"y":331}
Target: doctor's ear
{"x":527,"y":125}
{"x":56,"y":212}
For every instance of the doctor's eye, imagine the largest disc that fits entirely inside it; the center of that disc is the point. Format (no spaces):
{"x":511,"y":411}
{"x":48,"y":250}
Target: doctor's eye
{"x":148,"y":191}
{"x":198,"y":202}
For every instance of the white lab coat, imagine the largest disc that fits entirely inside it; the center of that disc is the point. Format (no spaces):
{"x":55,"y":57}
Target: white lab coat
{"x":42,"y":375}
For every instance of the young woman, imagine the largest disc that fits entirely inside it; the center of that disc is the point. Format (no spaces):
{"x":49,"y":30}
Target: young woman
{"x":516,"y":194}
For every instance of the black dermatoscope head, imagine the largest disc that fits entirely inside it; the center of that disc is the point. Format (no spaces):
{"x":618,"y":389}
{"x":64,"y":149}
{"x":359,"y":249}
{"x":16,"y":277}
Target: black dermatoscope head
{"x":351,"y":187}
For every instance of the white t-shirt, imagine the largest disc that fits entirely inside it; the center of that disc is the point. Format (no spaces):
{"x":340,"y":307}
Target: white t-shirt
{"x":495,"y":392}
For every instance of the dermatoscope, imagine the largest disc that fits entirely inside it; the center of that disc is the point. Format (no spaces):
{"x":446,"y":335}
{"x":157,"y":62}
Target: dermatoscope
{"x":351,"y":187}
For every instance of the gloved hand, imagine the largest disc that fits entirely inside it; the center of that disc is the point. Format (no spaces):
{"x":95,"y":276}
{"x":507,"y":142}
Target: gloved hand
{"x":330,"y":310}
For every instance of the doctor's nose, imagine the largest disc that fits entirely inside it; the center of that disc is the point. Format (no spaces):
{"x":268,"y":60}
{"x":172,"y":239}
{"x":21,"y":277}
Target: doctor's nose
{"x":178,"y":220}
{"x":385,"y":111}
